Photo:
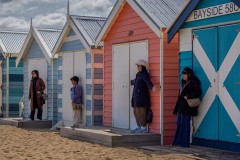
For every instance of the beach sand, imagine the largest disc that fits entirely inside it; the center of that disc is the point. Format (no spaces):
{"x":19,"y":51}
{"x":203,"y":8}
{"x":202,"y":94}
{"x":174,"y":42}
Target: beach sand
{"x":23,"y":144}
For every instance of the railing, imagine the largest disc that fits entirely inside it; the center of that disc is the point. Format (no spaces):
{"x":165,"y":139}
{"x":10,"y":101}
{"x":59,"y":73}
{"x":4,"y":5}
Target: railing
{"x":21,"y":107}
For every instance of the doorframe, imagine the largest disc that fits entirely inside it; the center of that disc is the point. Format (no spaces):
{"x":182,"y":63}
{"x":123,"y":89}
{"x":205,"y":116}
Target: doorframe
{"x":64,"y":54}
{"x":118,"y":44}
{"x":46,"y":84}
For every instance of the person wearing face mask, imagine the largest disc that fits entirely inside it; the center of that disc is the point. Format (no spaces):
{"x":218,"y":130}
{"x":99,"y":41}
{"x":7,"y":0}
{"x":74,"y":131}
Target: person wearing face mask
{"x":189,"y":89}
{"x":36,"y":89}
{"x":141,"y":97}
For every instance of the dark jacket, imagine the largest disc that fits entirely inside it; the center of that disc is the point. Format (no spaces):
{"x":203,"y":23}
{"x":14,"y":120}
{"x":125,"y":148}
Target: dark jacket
{"x":191,"y":90}
{"x":40,"y":86}
{"x":76,"y":94}
{"x":142,"y":84}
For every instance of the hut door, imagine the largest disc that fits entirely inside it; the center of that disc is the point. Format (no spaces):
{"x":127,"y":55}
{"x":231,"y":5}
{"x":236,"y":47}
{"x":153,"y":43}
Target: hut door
{"x":121,"y":86}
{"x":229,"y":78}
{"x":66,"y":85}
{"x":41,"y":66}
{"x":124,"y":70}
{"x":79,"y":69}
{"x":138,"y":50}
{"x":216,"y":62}
{"x":74,"y":64}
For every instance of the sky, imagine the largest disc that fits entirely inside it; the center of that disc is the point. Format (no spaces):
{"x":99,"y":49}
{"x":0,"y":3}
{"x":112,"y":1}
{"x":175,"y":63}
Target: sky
{"x":15,"y":15}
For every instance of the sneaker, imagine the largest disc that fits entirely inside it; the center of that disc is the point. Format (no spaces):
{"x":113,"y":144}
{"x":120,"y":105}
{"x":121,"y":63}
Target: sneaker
{"x":142,"y":130}
{"x":136,"y":129}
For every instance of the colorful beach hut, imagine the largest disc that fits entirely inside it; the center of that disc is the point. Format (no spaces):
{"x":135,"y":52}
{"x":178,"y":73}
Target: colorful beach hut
{"x":36,"y":53}
{"x":78,"y":56}
{"x":135,"y":29}
{"x":209,"y":36}
{"x":11,"y":79}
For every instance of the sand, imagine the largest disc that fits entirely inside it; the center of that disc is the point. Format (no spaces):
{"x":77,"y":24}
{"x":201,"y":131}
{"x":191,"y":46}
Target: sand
{"x":23,"y":144}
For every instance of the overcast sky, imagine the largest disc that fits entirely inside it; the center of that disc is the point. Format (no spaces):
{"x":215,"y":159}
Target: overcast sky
{"x":15,"y":15}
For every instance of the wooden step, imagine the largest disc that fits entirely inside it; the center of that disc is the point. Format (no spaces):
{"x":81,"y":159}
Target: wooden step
{"x":111,"y":136}
{"x":21,"y":123}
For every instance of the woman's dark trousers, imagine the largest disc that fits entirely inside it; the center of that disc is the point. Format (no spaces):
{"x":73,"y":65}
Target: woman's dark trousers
{"x":39,"y":113}
{"x":182,"y":135}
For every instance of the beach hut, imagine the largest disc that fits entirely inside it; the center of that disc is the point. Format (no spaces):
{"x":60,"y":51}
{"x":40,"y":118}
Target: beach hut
{"x":36,"y":53}
{"x":11,"y":79}
{"x":135,"y":29}
{"x":209,"y":43}
{"x":78,"y":56}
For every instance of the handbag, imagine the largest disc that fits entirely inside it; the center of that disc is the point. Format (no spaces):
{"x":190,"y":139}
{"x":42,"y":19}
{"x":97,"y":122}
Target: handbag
{"x":194,"y":102}
{"x":149,"y":116}
{"x":43,"y":98}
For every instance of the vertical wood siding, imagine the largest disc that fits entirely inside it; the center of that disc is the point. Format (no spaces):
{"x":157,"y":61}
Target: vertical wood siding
{"x":171,"y":78}
{"x":15,"y":85}
{"x":97,"y":101}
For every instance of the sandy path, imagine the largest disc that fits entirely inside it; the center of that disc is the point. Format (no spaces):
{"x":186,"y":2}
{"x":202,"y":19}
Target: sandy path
{"x":22,"y":144}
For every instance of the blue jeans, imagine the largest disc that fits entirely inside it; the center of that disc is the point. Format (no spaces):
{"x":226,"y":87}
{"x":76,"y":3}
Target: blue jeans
{"x":182,"y":135}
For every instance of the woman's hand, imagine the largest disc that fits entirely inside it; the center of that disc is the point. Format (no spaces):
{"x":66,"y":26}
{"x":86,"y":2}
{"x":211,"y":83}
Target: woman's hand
{"x":154,"y":89}
{"x":38,"y":92}
{"x":185,"y":97}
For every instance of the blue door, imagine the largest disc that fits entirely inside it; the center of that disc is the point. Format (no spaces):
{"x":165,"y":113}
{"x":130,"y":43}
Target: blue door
{"x":205,"y":65}
{"x":229,"y":76}
{"x":216,"y":62}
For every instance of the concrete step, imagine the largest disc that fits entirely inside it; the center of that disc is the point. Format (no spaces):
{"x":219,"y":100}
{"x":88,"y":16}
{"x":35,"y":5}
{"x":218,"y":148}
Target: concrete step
{"x":111,"y":136}
{"x":21,"y":123}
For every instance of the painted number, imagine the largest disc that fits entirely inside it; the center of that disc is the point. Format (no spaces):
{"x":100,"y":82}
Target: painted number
{"x":230,"y":7}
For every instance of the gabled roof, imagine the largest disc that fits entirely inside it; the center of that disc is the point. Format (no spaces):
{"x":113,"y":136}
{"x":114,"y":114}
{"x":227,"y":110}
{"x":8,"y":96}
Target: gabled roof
{"x":11,"y":42}
{"x":86,"y":29}
{"x":183,"y":15}
{"x":162,"y":11}
{"x":50,"y":36}
{"x":46,"y":39}
{"x":89,"y":27}
{"x":156,"y":13}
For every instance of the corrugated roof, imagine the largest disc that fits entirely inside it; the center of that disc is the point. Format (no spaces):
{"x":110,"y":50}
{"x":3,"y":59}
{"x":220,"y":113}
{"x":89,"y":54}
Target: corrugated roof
{"x":50,"y":36}
{"x":163,"y":12}
{"x":89,"y":27}
{"x":12,"y":41}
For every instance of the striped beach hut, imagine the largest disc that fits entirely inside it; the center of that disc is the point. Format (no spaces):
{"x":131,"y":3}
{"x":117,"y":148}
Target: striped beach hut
{"x":135,"y":29}
{"x":36,"y":53}
{"x":11,"y":79}
{"x":78,"y":56}
{"x":209,"y":35}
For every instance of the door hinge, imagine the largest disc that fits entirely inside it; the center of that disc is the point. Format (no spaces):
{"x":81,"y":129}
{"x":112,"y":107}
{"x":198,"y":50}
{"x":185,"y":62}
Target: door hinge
{"x":194,"y":36}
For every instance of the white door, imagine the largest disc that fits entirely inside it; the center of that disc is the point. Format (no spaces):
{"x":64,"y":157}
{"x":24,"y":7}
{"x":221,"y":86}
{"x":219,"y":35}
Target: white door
{"x":80,"y":71}
{"x":138,"y":51}
{"x":121,"y":86}
{"x":1,"y":86}
{"x":41,"y":66}
{"x":124,"y":70}
{"x":66,"y":99}
{"x":74,"y":64}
